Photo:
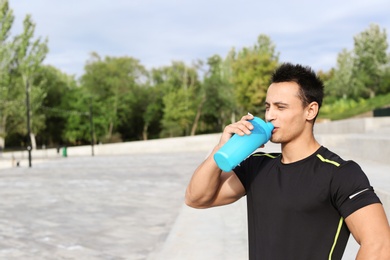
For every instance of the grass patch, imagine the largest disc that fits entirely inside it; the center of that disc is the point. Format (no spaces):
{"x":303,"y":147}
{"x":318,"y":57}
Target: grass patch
{"x":346,"y":108}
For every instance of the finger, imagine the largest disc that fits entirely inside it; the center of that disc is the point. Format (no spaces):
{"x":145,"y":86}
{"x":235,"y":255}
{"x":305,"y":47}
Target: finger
{"x":242,"y":127}
{"x":249,"y":116}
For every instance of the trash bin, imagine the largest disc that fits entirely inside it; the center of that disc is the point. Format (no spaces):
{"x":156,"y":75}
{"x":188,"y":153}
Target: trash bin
{"x":64,"y":152}
{"x":385,"y":111}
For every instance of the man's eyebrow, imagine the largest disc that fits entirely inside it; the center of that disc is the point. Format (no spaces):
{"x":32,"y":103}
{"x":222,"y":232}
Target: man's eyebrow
{"x":278,"y":103}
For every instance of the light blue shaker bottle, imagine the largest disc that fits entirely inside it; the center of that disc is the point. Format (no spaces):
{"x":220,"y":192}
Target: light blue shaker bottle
{"x":238,"y":148}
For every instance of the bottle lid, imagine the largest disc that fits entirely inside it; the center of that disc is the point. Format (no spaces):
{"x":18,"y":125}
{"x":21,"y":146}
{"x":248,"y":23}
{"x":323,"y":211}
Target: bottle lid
{"x":262,"y":127}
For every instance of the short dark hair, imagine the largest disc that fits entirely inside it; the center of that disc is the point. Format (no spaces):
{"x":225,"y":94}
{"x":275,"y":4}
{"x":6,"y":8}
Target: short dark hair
{"x":311,"y":86}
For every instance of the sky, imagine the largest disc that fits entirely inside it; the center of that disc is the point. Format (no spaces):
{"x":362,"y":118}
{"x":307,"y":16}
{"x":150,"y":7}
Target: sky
{"x":308,"y":32}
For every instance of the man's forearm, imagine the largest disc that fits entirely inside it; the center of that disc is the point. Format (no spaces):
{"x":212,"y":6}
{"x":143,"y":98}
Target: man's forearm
{"x":204,"y":184}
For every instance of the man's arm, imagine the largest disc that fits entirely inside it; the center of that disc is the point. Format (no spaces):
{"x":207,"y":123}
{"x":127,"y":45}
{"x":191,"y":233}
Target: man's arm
{"x":371,"y":230}
{"x":209,"y":186}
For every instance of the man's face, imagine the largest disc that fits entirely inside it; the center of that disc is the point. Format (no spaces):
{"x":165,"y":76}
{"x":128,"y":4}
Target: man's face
{"x":285,"y":110}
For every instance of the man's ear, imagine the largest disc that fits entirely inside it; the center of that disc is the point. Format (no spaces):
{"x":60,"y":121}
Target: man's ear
{"x":311,"y":110}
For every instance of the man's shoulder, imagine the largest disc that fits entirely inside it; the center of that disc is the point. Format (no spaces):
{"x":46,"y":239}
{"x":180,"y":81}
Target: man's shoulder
{"x":329,"y":157}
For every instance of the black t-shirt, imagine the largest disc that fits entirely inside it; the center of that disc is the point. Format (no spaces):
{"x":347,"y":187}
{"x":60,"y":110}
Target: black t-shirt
{"x":297,"y":210}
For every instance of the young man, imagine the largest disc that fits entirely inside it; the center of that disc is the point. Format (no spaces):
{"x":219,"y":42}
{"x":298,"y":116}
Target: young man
{"x":304,"y":202}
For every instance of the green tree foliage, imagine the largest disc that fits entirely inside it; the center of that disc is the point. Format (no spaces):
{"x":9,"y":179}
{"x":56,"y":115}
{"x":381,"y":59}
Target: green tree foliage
{"x":30,"y":54}
{"x":112,"y":82}
{"x":181,"y":89}
{"x":141,"y":118}
{"x":153,"y":105}
{"x":77,"y":128}
{"x":370,"y":50}
{"x":7,"y":95}
{"x":364,"y":71}
{"x":384,"y":87}
{"x":252,"y":70}
{"x":58,"y":87}
{"x":340,"y":84}
{"x":20,"y":63}
{"x":219,"y":100}
{"x":152,"y":112}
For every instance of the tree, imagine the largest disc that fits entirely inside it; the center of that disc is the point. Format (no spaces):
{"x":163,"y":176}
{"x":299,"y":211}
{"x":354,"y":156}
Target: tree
{"x":111,"y":83}
{"x":77,"y":128}
{"x":181,"y":87}
{"x":370,"y":50}
{"x":56,"y":104}
{"x":141,"y":118}
{"x":252,"y":70}
{"x":340,"y":84}
{"x":152,"y":112}
{"x":7,"y":94}
{"x":219,"y":103}
{"x":30,"y":55}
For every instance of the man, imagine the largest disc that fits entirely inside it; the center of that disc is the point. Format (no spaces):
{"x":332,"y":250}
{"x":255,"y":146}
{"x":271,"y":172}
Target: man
{"x":304,"y":202}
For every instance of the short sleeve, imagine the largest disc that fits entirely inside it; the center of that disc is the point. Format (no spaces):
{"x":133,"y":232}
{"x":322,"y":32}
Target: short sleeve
{"x":351,"y":189}
{"x":247,"y":170}
{"x":241,"y":171}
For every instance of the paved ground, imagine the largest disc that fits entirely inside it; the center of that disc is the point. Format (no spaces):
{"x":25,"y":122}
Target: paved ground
{"x":103,"y":207}
{"x":121,"y":207}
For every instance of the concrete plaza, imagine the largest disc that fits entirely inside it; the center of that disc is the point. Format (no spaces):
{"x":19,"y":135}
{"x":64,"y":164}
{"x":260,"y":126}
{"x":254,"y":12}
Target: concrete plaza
{"x":102,"y":207}
{"x":127,"y":201}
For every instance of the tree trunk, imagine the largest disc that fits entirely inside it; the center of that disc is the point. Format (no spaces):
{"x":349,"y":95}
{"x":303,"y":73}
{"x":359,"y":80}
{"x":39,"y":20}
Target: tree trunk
{"x":33,"y":141}
{"x":145,"y":132}
{"x":372,"y":93}
{"x":2,"y":131}
{"x":109,"y":134}
{"x":197,"y":117}
{"x":2,"y":142}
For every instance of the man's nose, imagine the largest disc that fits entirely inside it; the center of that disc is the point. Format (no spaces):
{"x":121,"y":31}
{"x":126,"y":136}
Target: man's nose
{"x":269,"y":115}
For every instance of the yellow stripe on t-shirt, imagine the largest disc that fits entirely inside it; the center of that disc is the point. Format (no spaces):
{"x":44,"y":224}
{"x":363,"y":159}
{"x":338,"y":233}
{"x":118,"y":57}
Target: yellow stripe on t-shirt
{"x":327,"y":161}
{"x":336,"y":237}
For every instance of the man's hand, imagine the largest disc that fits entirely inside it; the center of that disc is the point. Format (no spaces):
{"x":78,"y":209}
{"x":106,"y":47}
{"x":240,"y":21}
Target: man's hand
{"x":242,"y":127}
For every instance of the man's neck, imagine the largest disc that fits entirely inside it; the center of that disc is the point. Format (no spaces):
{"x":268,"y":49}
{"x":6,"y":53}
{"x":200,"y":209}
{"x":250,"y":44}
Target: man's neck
{"x":299,"y":149}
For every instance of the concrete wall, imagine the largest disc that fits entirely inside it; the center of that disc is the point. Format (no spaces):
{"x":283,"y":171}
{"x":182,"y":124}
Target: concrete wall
{"x":177,"y":144}
{"x":353,"y":125}
{"x":364,"y":137}
{"x":367,"y":138}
